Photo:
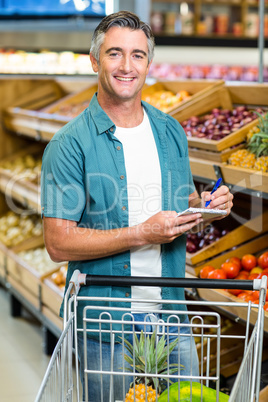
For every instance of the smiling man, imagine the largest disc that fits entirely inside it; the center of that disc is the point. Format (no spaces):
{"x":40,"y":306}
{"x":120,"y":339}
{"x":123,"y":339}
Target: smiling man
{"x":113,"y":180}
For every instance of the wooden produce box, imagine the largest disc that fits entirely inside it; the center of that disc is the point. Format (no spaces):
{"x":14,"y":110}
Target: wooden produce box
{"x":253,"y":246}
{"x":231,"y":351}
{"x":245,"y":178}
{"x":225,"y":98}
{"x":51,"y":118}
{"x":219,"y":157}
{"x":24,"y":273}
{"x":239,"y":235}
{"x":52,"y":317}
{"x":2,"y":261}
{"x":52,"y":295}
{"x":22,"y":117}
{"x":18,"y":185}
{"x":196,"y":88}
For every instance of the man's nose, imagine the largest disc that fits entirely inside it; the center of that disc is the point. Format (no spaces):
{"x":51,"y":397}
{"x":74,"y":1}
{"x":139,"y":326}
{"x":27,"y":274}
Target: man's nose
{"x":126,"y":64}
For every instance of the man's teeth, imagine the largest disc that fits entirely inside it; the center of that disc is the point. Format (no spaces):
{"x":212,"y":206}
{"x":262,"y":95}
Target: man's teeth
{"x":124,"y":78}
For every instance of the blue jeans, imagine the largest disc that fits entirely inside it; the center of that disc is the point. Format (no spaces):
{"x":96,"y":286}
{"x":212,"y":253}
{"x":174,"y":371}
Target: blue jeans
{"x":100,"y":385}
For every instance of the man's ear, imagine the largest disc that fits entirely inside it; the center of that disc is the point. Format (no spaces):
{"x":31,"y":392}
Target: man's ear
{"x":94,"y":63}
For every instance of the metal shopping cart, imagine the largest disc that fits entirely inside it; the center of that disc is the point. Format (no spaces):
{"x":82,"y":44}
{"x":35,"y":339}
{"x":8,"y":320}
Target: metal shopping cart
{"x":61,"y":381}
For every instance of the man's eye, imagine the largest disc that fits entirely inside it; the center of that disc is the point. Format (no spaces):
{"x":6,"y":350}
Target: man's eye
{"x":114,"y":54}
{"x":138,"y":56}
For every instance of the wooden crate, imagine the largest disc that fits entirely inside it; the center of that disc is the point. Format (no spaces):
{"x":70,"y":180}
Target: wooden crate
{"x":24,"y":273}
{"x":196,"y":88}
{"x":231,"y":351}
{"x":221,"y":156}
{"x":49,"y":120}
{"x":25,"y":292}
{"x":245,"y":178}
{"x":22,"y":116}
{"x":251,"y":247}
{"x":51,"y":295}
{"x":223,"y":97}
{"x":24,"y":191}
{"x":52,"y":317}
{"x":217,"y":296}
{"x":239,"y":235}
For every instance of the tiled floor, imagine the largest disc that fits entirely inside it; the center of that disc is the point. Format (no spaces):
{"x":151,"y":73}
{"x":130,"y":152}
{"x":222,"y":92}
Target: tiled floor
{"x":22,"y":361}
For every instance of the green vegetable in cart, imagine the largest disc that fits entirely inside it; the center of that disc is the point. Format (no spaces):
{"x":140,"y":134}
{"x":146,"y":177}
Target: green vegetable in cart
{"x":186,"y":387}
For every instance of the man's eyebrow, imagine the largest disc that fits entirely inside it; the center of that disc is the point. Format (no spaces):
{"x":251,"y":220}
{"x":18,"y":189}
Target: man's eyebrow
{"x":119,"y":49}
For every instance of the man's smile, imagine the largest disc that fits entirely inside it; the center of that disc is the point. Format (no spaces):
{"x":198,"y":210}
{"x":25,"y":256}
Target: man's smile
{"x":124,"y":78}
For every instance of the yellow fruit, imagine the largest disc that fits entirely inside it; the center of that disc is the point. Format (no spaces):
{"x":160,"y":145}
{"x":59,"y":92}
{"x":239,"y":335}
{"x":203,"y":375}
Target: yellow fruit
{"x":141,"y":393}
{"x":256,"y":270}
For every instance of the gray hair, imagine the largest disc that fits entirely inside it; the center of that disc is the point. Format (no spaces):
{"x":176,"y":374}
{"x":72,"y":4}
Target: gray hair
{"x":124,"y":19}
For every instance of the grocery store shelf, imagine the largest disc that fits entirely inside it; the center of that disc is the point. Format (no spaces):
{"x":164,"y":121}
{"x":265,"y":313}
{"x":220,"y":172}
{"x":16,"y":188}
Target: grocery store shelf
{"x":211,"y":41}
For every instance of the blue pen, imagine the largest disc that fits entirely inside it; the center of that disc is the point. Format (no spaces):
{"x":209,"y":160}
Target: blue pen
{"x":213,"y":190}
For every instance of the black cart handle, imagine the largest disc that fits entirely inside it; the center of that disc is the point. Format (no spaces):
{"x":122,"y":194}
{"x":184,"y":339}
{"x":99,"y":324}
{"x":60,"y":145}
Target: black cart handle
{"x":79,"y":279}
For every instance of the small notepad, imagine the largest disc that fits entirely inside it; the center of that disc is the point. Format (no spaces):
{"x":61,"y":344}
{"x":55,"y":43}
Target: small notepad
{"x":206,"y":212}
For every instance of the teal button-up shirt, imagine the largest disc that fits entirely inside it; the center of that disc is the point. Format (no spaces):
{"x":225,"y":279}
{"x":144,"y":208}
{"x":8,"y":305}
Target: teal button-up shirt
{"x":84,"y":180}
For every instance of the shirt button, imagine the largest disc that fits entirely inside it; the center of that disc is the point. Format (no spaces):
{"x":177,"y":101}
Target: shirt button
{"x":127,"y":294}
{"x":122,"y":177}
{"x":124,"y":208}
{"x":112,"y":129}
{"x":125,"y":266}
{"x":118,"y":148}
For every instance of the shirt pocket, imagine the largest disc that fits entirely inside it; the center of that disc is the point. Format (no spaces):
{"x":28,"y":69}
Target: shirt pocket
{"x":180,"y":187}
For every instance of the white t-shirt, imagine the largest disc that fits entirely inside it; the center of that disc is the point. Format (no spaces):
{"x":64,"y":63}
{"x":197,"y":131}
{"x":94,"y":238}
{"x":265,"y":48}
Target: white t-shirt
{"x":144,"y":200}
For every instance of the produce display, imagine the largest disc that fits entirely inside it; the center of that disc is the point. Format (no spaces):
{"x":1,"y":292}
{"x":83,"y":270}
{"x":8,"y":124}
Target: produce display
{"x":255,"y":155}
{"x":72,"y":109}
{"x":39,"y":259}
{"x":164,"y":100}
{"x":25,"y":167}
{"x":15,"y":228}
{"x":219,"y":123}
{"x":199,"y":240}
{"x":214,"y":71}
{"x":248,"y":267}
{"x":59,"y":277}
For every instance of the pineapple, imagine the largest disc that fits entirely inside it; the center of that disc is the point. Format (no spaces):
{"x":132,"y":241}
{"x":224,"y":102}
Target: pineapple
{"x":258,"y":143}
{"x":256,"y":154}
{"x":148,"y":356}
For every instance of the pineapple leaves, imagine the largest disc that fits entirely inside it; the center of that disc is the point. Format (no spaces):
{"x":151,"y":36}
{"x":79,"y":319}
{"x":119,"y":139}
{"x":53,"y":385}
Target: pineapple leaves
{"x":258,"y":144}
{"x":148,"y":355}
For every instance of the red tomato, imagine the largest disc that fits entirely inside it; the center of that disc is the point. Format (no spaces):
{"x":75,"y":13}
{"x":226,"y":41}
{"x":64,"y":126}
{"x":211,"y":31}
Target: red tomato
{"x":217,"y":274}
{"x":248,"y":261}
{"x":231,"y":269}
{"x":245,"y":296}
{"x":263,"y":260}
{"x":256,"y":294}
{"x":235,"y":292}
{"x":205,"y":271}
{"x":253,"y":276}
{"x":236,"y":260}
{"x":242,"y":276}
{"x":243,"y":272}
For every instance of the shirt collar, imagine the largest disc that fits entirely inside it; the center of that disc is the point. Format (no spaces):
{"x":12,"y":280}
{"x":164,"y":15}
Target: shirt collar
{"x":104,"y":123}
{"x":100,"y":118}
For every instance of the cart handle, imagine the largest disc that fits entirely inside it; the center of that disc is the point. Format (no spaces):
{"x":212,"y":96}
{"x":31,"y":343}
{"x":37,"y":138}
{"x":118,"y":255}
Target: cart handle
{"x":122,"y":281}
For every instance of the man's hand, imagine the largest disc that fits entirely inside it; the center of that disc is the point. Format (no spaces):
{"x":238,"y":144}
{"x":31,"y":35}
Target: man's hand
{"x":166,"y":226}
{"x":221,"y":199}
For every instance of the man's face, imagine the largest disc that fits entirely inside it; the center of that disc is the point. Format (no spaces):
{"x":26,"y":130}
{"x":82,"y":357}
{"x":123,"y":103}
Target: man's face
{"x":123,"y":63}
